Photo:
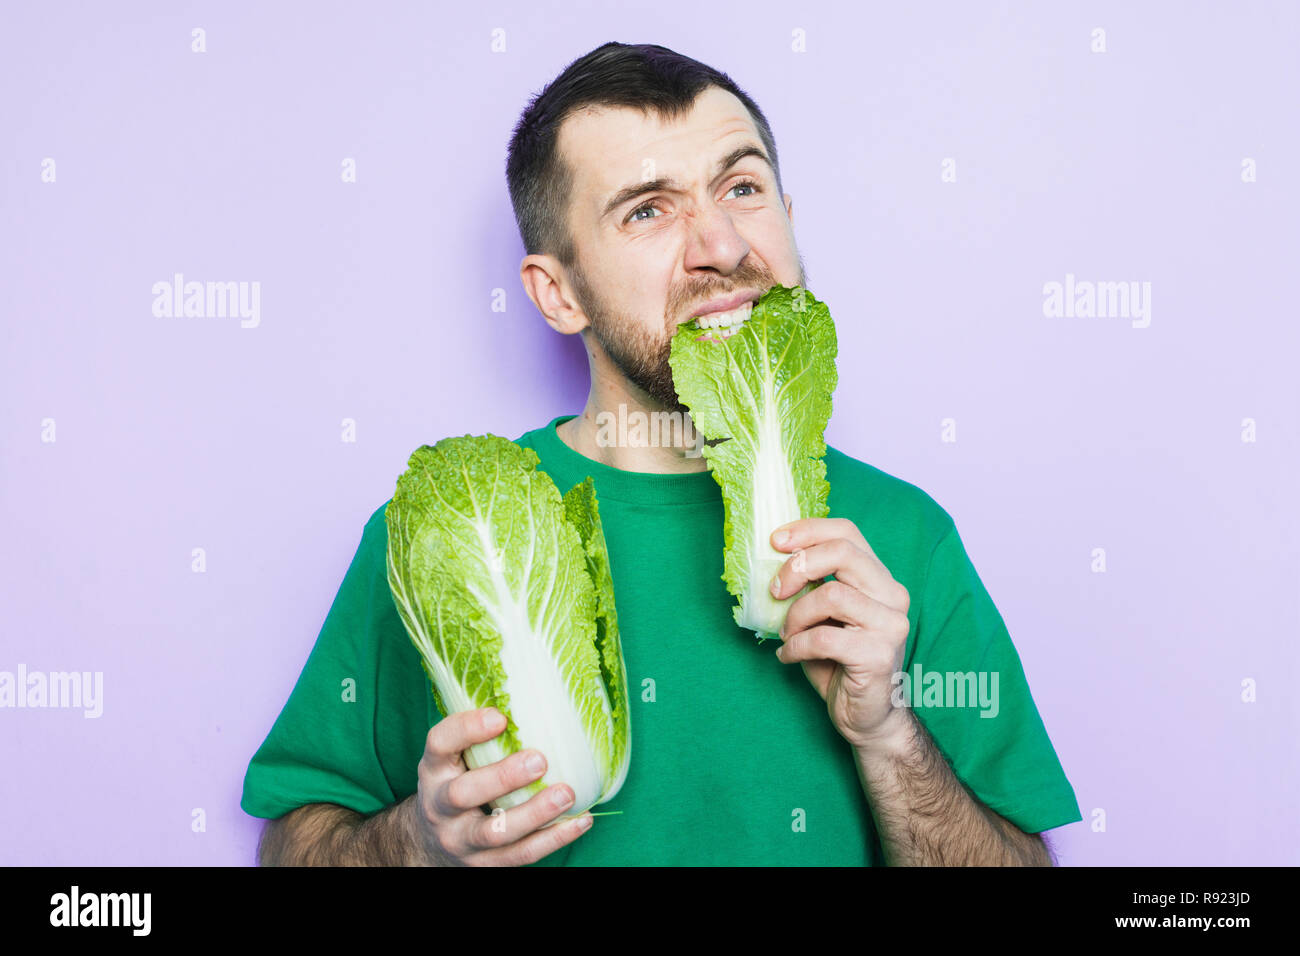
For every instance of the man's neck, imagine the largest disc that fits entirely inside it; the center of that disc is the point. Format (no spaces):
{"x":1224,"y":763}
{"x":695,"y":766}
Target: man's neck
{"x":631,"y":437}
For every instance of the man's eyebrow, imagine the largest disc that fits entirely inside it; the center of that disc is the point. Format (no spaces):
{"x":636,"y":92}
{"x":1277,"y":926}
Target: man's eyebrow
{"x":628,"y":193}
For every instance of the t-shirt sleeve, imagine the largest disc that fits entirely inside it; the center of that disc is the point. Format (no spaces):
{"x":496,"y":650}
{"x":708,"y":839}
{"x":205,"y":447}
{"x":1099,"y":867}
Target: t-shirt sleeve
{"x":322,"y":747}
{"x":968,"y":689}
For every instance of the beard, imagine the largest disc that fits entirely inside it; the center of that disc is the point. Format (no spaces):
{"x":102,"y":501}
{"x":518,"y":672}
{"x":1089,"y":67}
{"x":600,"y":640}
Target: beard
{"x":641,"y":355}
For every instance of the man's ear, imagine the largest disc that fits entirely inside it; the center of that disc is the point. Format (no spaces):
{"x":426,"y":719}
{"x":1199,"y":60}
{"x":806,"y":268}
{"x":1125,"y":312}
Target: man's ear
{"x":542,"y":278}
{"x":789,"y":208}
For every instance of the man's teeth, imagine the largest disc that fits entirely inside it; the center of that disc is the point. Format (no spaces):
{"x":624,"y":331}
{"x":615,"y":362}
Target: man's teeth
{"x":725,"y":320}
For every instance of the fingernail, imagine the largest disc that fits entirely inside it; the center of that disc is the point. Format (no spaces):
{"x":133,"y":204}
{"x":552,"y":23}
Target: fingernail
{"x":776,"y":584}
{"x":534,"y":762}
{"x":583,"y":823}
{"x":561,"y":799}
{"x":781,"y":537}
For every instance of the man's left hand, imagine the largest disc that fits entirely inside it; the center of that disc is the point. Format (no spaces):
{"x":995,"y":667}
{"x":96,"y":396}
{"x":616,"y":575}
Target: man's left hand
{"x":849,"y":634}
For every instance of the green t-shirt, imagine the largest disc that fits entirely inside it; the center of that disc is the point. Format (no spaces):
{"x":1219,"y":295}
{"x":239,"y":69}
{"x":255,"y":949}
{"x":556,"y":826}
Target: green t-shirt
{"x":735,"y":760}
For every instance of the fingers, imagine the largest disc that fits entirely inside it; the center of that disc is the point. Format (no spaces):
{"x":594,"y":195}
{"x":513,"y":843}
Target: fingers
{"x":861,"y":658}
{"x":828,"y":643}
{"x":837,"y":601}
{"x":809,"y":531}
{"x":535,"y":846}
{"x":452,"y":797}
{"x":456,"y":733}
{"x":472,"y":789}
{"x":850,"y":564}
{"x":502,"y":828}
{"x":837,"y":556}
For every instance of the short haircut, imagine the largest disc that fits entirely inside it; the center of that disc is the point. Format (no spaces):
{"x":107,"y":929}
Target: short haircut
{"x":642,"y":76}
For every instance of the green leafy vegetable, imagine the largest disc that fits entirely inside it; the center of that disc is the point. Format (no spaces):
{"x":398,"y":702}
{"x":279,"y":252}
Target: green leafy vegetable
{"x":505,"y":590}
{"x":763,"y":393}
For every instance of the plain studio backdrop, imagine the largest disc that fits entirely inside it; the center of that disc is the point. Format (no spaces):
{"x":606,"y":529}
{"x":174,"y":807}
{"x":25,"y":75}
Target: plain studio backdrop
{"x":180,"y":496}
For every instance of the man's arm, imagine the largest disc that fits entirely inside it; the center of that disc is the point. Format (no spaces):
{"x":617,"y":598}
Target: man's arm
{"x":324,"y":834}
{"x":850,"y":636}
{"x":923,"y":813}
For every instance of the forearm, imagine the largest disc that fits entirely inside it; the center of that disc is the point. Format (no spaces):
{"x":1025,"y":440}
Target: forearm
{"x":323,"y":834}
{"x":923,"y":813}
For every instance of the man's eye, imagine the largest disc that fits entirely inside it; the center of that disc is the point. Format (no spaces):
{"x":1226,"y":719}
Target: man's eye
{"x":754,"y":185}
{"x":639,"y":209}
{"x":747,"y":184}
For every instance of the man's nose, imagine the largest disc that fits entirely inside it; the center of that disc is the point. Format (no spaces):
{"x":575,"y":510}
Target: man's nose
{"x":713,"y":241}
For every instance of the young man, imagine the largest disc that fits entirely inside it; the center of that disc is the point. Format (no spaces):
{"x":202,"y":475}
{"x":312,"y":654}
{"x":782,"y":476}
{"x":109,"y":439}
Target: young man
{"x":647,"y":190}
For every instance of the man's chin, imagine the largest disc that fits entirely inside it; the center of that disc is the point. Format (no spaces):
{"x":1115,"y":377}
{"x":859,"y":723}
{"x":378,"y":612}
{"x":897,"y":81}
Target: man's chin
{"x":674,"y":406}
{"x":661,"y":396}
{"x":674,"y":409}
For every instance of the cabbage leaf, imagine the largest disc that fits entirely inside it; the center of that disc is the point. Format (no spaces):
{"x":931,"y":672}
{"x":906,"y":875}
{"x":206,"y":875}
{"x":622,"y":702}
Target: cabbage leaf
{"x":763,"y":394}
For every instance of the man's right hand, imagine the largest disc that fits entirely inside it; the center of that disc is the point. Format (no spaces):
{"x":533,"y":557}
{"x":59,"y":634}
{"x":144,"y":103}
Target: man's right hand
{"x":445,"y":814}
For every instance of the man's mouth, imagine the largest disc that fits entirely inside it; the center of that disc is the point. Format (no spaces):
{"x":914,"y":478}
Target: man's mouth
{"x":725,"y":323}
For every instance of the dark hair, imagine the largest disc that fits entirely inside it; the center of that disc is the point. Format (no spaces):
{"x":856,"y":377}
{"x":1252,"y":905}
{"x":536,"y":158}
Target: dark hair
{"x":642,"y":76}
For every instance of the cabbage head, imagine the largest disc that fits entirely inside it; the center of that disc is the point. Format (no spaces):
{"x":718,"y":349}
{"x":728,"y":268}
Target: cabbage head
{"x":505,"y":590}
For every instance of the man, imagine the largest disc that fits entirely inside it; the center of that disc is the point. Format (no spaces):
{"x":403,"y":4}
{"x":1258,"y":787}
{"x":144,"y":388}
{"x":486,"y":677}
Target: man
{"x":647,"y":191}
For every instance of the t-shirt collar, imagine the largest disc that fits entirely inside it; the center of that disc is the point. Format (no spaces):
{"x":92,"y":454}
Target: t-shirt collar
{"x":566,"y":467}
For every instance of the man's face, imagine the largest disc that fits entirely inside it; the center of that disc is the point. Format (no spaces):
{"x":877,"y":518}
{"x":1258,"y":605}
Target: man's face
{"x":648,"y":258}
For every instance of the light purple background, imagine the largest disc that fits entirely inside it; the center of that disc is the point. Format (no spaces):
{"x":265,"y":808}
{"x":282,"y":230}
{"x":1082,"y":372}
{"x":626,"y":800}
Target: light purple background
{"x":376,"y":299}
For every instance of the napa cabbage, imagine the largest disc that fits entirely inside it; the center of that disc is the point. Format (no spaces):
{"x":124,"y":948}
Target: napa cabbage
{"x":505,"y":590}
{"x":762,"y":398}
